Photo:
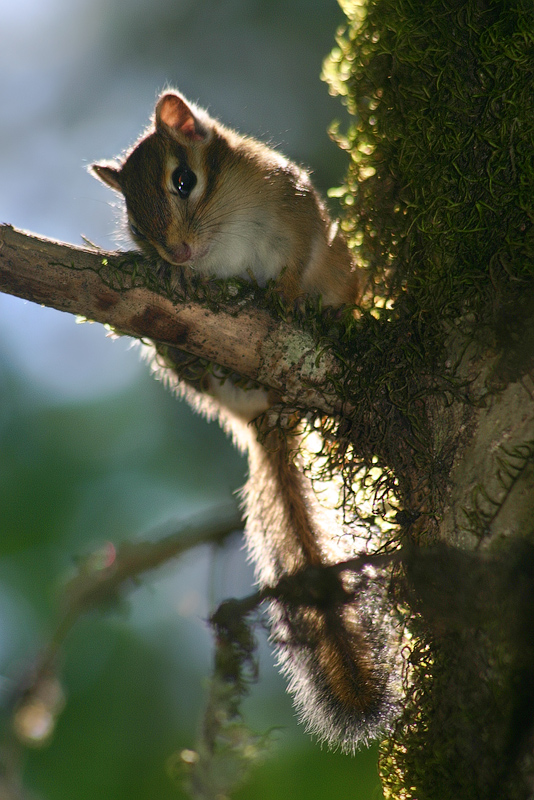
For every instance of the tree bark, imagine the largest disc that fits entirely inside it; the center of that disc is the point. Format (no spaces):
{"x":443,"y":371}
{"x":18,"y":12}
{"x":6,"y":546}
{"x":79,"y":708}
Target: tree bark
{"x":102,"y":287}
{"x":438,"y":205}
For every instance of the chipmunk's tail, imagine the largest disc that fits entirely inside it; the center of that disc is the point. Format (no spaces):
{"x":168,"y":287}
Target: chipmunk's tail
{"x":337,"y":651}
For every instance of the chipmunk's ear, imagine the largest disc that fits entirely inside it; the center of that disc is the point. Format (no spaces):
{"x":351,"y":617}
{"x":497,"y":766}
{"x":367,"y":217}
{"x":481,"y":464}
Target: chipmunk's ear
{"x":173,"y":111}
{"x":108,"y":173}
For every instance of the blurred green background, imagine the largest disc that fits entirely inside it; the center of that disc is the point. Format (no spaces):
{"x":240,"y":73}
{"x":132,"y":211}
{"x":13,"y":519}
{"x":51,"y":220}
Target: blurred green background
{"x":92,"y":449}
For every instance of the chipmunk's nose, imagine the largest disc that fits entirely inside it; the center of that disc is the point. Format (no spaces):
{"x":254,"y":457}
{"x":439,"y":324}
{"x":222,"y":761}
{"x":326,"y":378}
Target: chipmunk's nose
{"x":180,"y":253}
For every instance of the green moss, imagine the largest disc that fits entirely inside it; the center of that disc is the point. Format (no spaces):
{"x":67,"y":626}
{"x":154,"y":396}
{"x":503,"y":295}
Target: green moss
{"x":439,"y":195}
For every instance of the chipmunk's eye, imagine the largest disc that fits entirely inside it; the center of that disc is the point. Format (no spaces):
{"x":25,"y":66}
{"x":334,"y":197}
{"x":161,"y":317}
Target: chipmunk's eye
{"x":184,"y":181}
{"x":136,"y":232}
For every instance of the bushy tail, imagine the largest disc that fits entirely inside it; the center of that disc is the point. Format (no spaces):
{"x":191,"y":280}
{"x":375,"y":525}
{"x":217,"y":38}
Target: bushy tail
{"x":337,"y":653}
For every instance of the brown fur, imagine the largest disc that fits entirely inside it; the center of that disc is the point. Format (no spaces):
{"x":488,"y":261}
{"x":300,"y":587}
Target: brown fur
{"x":280,"y":497}
{"x":253,"y":210}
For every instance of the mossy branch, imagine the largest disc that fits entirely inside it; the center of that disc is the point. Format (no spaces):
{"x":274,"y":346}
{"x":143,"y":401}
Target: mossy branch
{"x":119,"y":290}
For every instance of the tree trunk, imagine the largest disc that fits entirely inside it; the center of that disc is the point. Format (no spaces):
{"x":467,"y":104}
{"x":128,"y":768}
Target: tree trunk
{"x":440,"y":207}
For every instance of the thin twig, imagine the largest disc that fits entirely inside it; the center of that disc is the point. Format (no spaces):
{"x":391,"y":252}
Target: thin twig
{"x":97,"y":583}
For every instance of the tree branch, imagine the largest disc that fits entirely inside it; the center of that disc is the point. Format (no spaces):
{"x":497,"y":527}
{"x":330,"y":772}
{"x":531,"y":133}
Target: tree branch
{"x":96,"y":285}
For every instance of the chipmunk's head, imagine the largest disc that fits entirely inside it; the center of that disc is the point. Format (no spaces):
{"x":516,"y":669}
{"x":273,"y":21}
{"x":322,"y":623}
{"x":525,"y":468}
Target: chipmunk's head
{"x":200,"y":195}
{"x":165,"y":179}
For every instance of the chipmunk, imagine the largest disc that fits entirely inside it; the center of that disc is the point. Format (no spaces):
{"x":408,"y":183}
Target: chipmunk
{"x":202,"y":197}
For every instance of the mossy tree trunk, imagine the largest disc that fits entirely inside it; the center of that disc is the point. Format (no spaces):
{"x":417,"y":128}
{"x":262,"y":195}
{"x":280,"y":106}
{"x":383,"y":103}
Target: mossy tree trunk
{"x":440,"y":207}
